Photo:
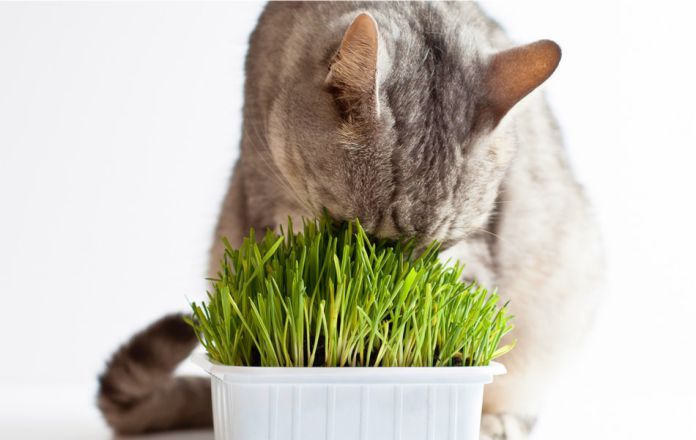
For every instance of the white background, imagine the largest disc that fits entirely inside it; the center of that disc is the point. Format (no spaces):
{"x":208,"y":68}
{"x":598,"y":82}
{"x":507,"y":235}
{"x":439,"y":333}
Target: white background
{"x":119,"y":124}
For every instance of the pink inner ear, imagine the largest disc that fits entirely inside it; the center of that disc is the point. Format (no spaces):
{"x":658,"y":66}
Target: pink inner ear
{"x":514,"y":73}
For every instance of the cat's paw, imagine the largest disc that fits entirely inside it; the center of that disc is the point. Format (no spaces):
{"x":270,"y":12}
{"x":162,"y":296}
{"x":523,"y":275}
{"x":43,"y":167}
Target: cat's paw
{"x":492,"y":427}
{"x":505,"y":427}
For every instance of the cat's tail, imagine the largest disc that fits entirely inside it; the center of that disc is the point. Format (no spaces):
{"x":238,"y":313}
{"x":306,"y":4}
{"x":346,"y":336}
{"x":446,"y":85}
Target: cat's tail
{"x":138,"y":392}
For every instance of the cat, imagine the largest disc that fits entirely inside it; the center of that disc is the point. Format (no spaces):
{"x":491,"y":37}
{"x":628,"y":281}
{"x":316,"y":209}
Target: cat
{"x":421,"y":120}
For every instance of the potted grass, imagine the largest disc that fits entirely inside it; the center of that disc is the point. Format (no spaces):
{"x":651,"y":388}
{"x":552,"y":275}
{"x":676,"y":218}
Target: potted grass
{"x":326,"y":334}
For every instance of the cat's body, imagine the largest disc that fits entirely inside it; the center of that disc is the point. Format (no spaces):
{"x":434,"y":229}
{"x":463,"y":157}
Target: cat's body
{"x":408,"y":121}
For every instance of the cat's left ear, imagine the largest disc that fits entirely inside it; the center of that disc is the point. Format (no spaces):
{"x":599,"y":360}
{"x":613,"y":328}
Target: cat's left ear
{"x":513,"y":74}
{"x":352,"y":77}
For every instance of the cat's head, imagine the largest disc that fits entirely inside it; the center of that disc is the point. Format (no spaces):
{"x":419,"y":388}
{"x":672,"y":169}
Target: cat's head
{"x":404,"y":133}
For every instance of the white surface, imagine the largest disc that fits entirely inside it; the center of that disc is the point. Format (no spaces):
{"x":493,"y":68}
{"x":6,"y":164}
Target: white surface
{"x":118,"y":127}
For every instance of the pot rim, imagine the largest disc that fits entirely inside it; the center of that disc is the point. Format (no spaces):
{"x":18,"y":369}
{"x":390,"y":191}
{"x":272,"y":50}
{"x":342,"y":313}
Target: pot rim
{"x":344,"y":375}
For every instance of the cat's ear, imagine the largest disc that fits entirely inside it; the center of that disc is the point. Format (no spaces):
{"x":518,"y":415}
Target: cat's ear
{"x":514,"y":73}
{"x":352,"y":77}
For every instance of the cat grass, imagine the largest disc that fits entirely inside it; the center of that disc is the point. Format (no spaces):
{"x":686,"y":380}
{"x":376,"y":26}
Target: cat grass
{"x":329,"y":296}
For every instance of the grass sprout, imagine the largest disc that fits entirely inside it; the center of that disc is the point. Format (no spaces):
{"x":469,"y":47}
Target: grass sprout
{"x":329,"y":296}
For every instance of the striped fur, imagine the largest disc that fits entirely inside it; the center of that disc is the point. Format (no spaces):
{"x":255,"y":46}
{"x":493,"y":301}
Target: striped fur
{"x":137,"y":392}
{"x":405,"y":123}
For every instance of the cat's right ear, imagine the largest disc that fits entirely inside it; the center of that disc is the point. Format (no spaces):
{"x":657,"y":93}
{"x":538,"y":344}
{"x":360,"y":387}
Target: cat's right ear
{"x":514,"y":73}
{"x":352,"y":77}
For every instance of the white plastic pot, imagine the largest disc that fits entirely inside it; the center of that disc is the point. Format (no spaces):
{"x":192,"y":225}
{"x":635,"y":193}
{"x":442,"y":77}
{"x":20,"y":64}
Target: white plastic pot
{"x":364,"y":403}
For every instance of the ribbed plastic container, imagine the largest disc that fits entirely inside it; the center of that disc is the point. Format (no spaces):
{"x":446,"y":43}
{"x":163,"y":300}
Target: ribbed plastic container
{"x":367,"y":403}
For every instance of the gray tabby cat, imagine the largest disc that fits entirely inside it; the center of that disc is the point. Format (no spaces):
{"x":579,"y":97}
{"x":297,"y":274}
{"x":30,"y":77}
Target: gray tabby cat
{"x":411,"y":117}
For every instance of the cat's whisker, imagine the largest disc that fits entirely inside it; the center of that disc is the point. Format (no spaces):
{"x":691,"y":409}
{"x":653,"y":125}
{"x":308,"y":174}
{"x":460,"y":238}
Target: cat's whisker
{"x":307,"y":204}
{"x":267,"y":159}
{"x":506,"y":241}
{"x":500,"y":202}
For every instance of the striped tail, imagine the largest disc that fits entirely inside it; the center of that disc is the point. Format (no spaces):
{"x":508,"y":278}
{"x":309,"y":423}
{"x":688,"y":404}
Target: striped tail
{"x":138,"y":392}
